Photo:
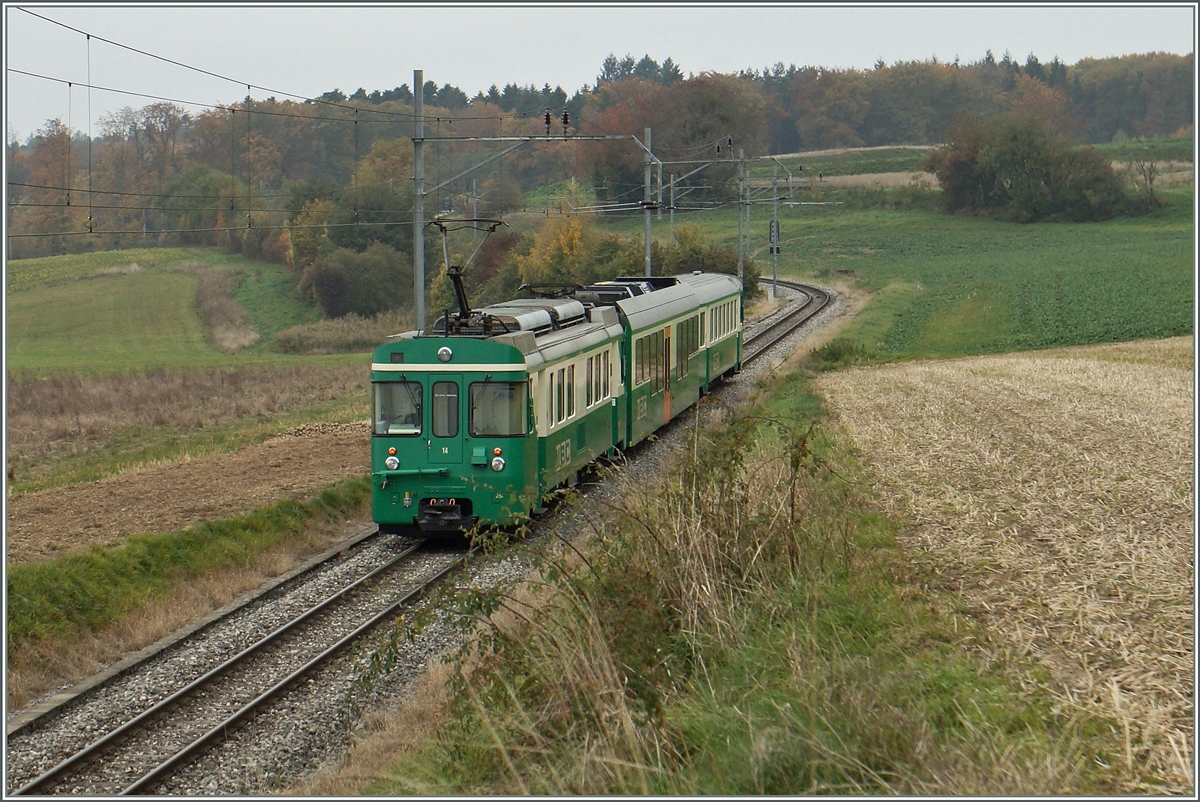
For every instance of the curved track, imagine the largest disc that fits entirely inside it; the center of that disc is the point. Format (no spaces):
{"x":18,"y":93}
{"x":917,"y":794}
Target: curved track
{"x":761,"y":341}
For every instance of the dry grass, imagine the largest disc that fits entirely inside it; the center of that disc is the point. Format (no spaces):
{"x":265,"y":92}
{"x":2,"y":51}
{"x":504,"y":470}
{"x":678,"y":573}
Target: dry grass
{"x":34,"y":672}
{"x":344,"y":334}
{"x":880,"y":180}
{"x":228,"y":324}
{"x":118,"y":270}
{"x":1167,"y":173}
{"x":619,"y":755}
{"x":48,"y":419}
{"x":1054,"y":491}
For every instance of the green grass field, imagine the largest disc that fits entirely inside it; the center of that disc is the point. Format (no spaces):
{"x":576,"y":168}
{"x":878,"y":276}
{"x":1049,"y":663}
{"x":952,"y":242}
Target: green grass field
{"x":948,"y":286}
{"x":944,"y":285}
{"x":79,"y":314}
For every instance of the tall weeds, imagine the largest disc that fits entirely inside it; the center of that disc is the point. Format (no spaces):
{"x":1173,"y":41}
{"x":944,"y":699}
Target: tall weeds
{"x":227,"y":322}
{"x":742,"y":626}
{"x":344,"y":334}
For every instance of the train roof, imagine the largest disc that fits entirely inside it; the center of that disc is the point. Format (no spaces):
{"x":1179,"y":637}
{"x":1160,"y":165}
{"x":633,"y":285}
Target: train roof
{"x":688,"y":291}
{"x":551,"y":327}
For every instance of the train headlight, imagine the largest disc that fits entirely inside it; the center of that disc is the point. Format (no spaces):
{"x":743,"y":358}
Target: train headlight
{"x":391,"y":463}
{"x":497,"y":463}
{"x":445,"y":353}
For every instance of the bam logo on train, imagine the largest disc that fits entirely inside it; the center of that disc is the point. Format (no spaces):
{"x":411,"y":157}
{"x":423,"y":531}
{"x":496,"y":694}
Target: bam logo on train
{"x":475,"y":422}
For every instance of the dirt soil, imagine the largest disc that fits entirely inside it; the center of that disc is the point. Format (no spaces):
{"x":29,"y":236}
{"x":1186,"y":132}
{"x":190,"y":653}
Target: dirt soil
{"x":293,"y":465}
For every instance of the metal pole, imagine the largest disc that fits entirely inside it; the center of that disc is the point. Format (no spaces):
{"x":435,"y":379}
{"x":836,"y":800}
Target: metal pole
{"x":775,"y":235}
{"x":660,"y":203}
{"x":672,"y":208}
{"x":741,"y":201}
{"x":475,"y":206}
{"x":419,"y":198}
{"x":749,"y":228}
{"x":647,"y":199}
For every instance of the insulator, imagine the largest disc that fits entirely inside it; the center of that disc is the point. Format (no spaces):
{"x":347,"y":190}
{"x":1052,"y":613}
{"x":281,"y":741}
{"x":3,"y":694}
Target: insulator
{"x":547,"y":116}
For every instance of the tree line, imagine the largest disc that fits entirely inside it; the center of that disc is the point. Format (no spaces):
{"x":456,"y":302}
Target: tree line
{"x":325,"y":185}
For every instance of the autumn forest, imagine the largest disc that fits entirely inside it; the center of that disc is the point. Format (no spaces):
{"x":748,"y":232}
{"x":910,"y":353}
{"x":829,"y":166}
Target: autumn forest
{"x":294,"y":182}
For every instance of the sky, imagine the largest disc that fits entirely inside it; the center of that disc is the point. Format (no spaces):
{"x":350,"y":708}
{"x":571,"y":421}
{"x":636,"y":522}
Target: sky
{"x":308,"y":49}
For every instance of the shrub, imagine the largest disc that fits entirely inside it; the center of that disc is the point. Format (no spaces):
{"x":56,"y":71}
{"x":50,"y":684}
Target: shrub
{"x":838,"y":353}
{"x":1012,"y":167}
{"x":345,"y":282}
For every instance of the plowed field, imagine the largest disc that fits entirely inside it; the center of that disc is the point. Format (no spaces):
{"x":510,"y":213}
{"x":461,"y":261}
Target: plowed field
{"x":293,"y":465}
{"x":1053,"y":491}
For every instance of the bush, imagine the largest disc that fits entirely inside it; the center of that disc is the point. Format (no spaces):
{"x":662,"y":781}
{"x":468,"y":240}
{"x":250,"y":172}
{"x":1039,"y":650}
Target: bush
{"x":1011,"y":167}
{"x":345,"y":282}
{"x":691,"y":252}
{"x":837,"y":353}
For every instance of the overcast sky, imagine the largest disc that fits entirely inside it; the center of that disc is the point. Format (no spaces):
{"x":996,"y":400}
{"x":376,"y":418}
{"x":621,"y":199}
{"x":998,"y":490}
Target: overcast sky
{"x":308,"y":49}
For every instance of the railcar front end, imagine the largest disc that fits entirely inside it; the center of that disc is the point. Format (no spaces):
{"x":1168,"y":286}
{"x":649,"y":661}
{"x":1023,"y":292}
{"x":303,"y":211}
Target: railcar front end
{"x":452,"y":435}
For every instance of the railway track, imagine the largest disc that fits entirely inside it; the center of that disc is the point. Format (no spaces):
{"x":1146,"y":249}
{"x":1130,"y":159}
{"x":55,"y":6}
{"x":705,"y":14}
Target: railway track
{"x":778,"y":328}
{"x":138,"y":755}
{"x":140,"y":752}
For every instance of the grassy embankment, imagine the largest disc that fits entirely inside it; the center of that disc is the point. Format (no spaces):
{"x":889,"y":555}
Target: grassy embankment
{"x":732,"y":633}
{"x":111,"y":363}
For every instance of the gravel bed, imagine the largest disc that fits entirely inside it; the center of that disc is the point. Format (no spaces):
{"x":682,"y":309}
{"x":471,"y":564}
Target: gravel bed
{"x":316,"y":722}
{"x":43,"y":744}
{"x":196,"y":714}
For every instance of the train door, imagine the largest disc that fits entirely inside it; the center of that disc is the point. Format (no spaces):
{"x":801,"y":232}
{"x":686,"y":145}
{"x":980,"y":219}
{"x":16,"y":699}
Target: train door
{"x":666,"y":363}
{"x":445,"y":442}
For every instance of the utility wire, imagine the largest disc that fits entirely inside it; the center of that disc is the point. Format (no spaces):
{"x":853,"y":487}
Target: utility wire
{"x":159,"y":231}
{"x":240,"y":83}
{"x":276,"y":194}
{"x":214,"y":106}
{"x":179,"y":208}
{"x":249,"y":110}
{"x":200,"y":70}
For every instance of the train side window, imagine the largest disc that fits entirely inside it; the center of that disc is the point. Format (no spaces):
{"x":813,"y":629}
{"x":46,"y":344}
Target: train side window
{"x":497,"y":409}
{"x":445,"y":409}
{"x":570,"y":391}
{"x":589,"y":382}
{"x":396,"y":407}
{"x":560,"y":406}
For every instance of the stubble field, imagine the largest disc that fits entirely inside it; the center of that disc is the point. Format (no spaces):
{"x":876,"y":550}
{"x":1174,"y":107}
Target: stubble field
{"x":1052,"y":491}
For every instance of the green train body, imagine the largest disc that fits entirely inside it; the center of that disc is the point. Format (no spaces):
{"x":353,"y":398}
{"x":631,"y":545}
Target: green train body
{"x":477,"y":422}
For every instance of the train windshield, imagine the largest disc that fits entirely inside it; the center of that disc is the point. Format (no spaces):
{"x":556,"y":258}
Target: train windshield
{"x":396,"y":408}
{"x":498,"y":409}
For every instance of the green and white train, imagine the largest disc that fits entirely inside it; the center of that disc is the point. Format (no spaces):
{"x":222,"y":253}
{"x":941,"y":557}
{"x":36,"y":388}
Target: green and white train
{"x":476,"y":422}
